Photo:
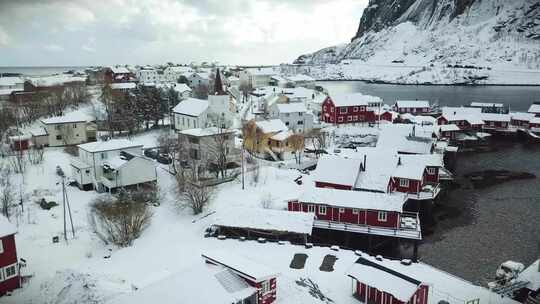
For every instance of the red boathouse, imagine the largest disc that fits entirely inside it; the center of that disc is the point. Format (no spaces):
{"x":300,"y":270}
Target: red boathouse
{"x":376,"y":284}
{"x":256,"y":275}
{"x":9,"y":268}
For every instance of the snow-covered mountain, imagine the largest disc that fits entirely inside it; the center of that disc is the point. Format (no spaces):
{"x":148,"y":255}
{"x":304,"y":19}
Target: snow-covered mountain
{"x":443,"y":41}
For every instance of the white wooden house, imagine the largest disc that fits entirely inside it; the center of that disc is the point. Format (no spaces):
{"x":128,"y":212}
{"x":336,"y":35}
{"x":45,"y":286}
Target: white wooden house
{"x":190,"y":113}
{"x":293,"y":115}
{"x":113,"y":164}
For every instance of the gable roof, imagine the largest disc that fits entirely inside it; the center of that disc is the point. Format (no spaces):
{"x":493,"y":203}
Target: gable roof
{"x":6,"y":228}
{"x":242,"y":266}
{"x":110,"y":145}
{"x":522,"y":116}
{"x":293,"y":107}
{"x":495,"y":117}
{"x":191,"y":106}
{"x":487,"y":105}
{"x":353,"y":99}
{"x":120,"y":70}
{"x":271,"y":126}
{"x":412,"y":103}
{"x":337,"y":170}
{"x":534,"y":108}
{"x":385,"y":279}
{"x":67,"y":118}
{"x":353,"y":199}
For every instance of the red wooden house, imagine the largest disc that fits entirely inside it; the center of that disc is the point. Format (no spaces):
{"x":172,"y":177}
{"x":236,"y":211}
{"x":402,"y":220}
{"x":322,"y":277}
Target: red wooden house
{"x":416,"y":175}
{"x":358,"y":211}
{"x":375,"y":283}
{"x":521,"y":120}
{"x":414,"y":107}
{"x":348,"y":108}
{"x":535,"y":109}
{"x":465,"y":118}
{"x":9,"y":268}
{"x":118,"y":74}
{"x":448,"y":131}
{"x":256,"y":275}
{"x":495,"y":121}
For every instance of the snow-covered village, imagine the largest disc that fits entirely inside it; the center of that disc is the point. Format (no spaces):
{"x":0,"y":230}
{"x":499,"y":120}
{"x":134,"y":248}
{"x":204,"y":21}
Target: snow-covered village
{"x":187,"y":152}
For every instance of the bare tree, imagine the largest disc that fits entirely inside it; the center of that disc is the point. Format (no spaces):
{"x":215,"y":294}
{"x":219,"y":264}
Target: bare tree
{"x":119,"y":220}
{"x":35,"y":155}
{"x":7,"y":191}
{"x":193,"y":195}
{"x":296,"y":143}
{"x":201,"y":91}
{"x":218,"y":151}
{"x":318,"y":139}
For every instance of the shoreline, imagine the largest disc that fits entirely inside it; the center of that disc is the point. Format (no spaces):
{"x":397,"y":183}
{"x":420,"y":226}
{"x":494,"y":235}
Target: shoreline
{"x":430,"y":84}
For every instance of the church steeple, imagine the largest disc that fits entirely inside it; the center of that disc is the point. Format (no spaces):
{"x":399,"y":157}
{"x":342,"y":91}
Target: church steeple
{"x":218,"y":85}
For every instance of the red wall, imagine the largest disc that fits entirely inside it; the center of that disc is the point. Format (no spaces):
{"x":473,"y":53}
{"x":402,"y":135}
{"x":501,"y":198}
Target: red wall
{"x":496,"y":124}
{"x":413,"y":186}
{"x":386,"y":116}
{"x":431,"y":178}
{"x":363,"y":217}
{"x":330,"y":185}
{"x":9,"y":257}
{"x":376,"y":296}
{"x":332,"y":114}
{"x":412,"y":110}
{"x":519,"y":123}
{"x":270,"y":296}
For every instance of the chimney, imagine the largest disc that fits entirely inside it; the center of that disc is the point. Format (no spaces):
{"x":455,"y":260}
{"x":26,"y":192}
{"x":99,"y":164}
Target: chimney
{"x":399,"y":161}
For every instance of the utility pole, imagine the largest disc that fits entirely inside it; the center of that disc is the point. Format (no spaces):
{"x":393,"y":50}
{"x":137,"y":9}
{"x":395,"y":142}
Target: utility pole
{"x":242,"y":159}
{"x":65,"y":203}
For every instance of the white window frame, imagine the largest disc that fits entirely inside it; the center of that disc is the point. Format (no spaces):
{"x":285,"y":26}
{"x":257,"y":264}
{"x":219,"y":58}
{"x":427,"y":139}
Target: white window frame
{"x":311,"y":208}
{"x":349,"y":118}
{"x":322,"y":210}
{"x":382,"y":216}
{"x":4,"y":271}
{"x":343,"y":110}
{"x":355,"y":211}
{"x":341,"y":210}
{"x":265,"y":287}
{"x":340,"y":119}
{"x":403,"y":182}
{"x":1,"y":246}
{"x":355,"y":109}
{"x":431,"y":171}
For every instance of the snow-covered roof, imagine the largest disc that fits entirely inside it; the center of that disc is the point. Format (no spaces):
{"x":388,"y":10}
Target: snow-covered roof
{"x":72,"y":117}
{"x":205,"y":132}
{"x":179,"y":69}
{"x":120,"y":70}
{"x":221,"y":286}
{"x":534,"y":108}
{"x":38,"y":131}
{"x":522,"y":116}
{"x":412,"y":103}
{"x":400,"y":286}
{"x":241,"y":265}
{"x":413,"y":165}
{"x":353,"y":199}
{"x":353,"y":99}
{"x":535,"y":120}
{"x":77,"y":163}
{"x":292,"y":107}
{"x":191,"y":107}
{"x":300,"y":77}
{"x":447,"y":128}
{"x":532,"y":275}
{"x":265,"y":219}
{"x":261,"y":71}
{"x":110,"y":145}
{"x":115,"y":162}
{"x":9,"y":91}
{"x":337,"y":170}
{"x":123,"y":85}
{"x":471,"y":115}
{"x":282,"y":135}
{"x":54,"y":80}
{"x":6,"y":228}
{"x":495,"y":117}
{"x":271,"y":126}
{"x":10,"y":81}
{"x":487,"y":105}
{"x":182,"y":87}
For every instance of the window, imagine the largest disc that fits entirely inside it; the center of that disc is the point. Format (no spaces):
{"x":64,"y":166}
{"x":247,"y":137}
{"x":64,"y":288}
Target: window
{"x":349,"y":118}
{"x":10,"y":271}
{"x":343,"y":110}
{"x":431,"y":171}
{"x":287,"y":123}
{"x":265,"y":287}
{"x":381,"y":216}
{"x":300,"y":122}
{"x":340,"y":119}
{"x":332,"y":110}
{"x":355,"y":211}
{"x":1,"y":247}
{"x":74,"y":126}
{"x":194,"y":140}
{"x":341,"y":210}
{"x":403,"y":182}
{"x":355,"y":109}
{"x":194,"y":153}
{"x":322,"y":210}
{"x":300,"y":114}
{"x":57,"y":127}
{"x":58,"y":137}
{"x":324,"y":108}
{"x":311,"y":208}
{"x":104,"y":155}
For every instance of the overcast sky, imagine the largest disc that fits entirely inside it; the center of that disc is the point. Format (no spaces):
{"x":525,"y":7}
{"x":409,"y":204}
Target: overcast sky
{"x":103,"y":32}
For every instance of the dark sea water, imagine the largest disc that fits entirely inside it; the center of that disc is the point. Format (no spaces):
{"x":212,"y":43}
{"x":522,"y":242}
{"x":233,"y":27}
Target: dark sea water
{"x":487,"y":226}
{"x":519,"y":98}
{"x":40,"y":71}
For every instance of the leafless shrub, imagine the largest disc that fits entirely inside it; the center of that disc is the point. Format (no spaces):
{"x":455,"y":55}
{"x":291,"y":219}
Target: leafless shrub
{"x":7,"y":192}
{"x":72,"y":150}
{"x":35,"y":155}
{"x":193,"y":195}
{"x":119,"y":220}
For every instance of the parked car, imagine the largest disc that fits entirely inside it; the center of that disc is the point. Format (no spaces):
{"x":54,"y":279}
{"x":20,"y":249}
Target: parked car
{"x":151,"y":153}
{"x":163,"y":158}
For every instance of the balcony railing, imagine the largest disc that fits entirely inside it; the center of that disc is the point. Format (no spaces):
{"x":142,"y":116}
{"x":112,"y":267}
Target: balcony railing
{"x":405,"y":231}
{"x":428,"y":192}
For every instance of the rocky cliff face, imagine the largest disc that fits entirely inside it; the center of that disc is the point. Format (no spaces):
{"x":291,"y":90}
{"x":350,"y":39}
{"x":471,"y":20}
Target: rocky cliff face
{"x":427,"y":32}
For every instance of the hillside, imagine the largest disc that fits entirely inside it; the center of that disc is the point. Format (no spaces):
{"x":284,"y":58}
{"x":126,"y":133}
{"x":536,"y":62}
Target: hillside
{"x":439,"y":42}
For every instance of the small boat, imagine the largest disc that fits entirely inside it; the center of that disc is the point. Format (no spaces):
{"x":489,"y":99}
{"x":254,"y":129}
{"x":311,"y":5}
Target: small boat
{"x":533,"y":136}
